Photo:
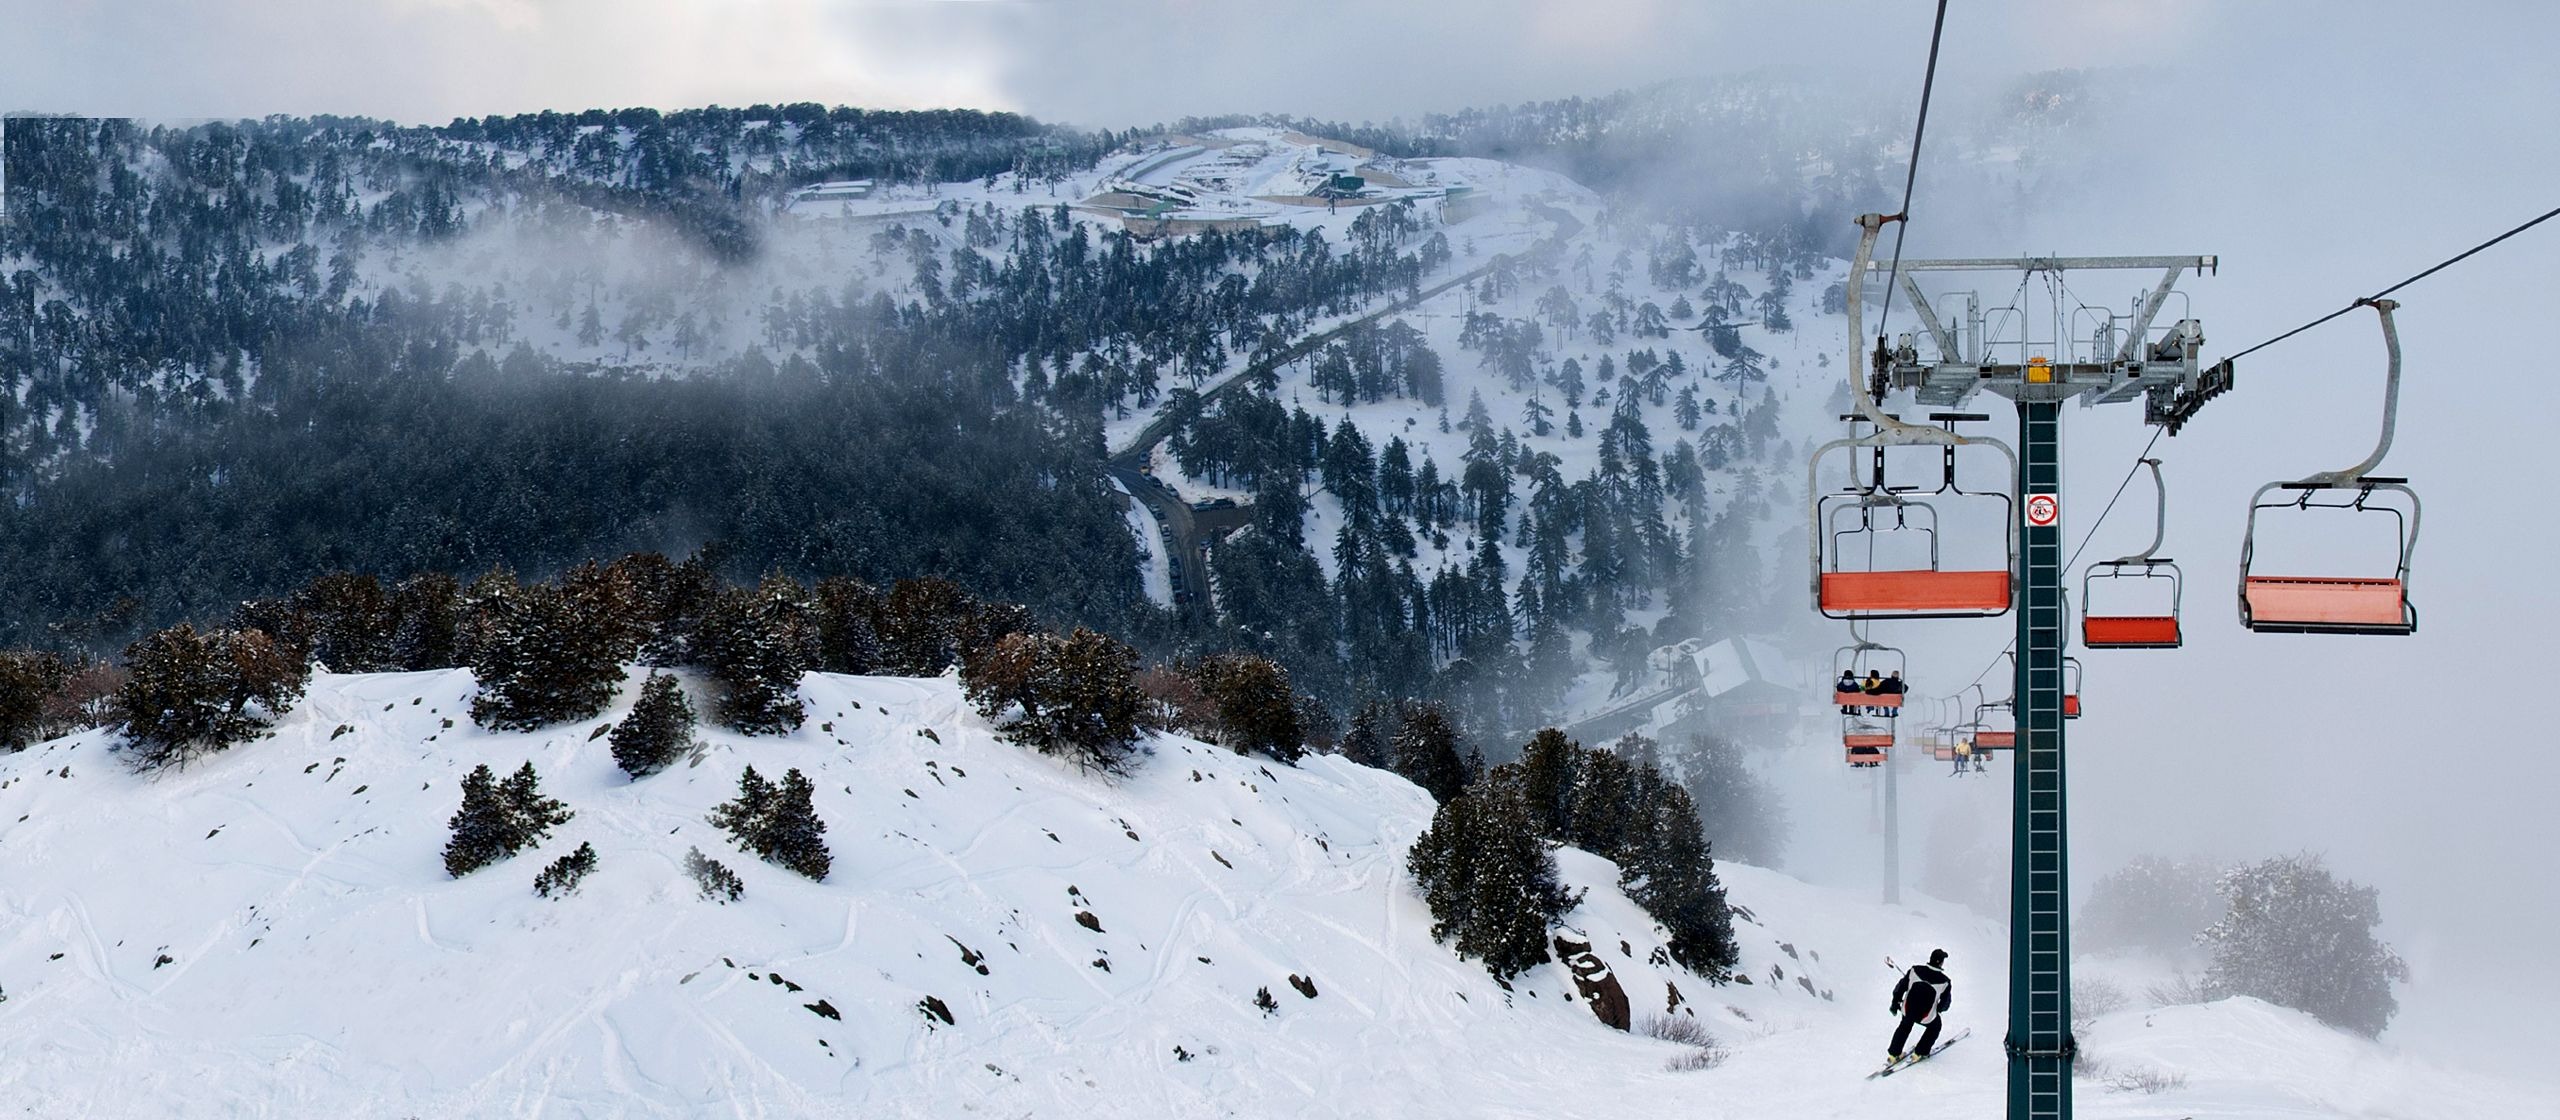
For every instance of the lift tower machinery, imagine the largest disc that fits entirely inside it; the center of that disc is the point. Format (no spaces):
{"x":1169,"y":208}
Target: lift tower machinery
{"x":2037,"y":358}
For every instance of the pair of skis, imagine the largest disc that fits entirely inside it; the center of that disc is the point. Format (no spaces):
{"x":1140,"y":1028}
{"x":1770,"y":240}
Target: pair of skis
{"x":1909,"y":1060}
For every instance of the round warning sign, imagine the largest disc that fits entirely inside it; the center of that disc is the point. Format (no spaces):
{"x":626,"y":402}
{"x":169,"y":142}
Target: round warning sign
{"x":2043,"y":510}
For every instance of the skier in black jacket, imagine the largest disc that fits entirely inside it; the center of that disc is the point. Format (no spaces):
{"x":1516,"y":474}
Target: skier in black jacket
{"x":1924,"y":992}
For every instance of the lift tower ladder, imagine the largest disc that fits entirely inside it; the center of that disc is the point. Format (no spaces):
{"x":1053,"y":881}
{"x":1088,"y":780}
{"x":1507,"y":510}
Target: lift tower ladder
{"x":2095,"y":355}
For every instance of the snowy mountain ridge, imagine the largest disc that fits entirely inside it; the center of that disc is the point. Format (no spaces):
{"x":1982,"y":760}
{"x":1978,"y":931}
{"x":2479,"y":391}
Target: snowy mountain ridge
{"x":270,"y":933}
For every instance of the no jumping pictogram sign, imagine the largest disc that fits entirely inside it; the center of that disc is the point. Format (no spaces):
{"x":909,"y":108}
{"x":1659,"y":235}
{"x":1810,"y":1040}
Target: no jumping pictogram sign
{"x":2043,"y":510}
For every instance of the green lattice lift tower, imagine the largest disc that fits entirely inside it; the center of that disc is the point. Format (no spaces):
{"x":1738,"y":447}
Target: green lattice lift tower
{"x":2096,"y":355}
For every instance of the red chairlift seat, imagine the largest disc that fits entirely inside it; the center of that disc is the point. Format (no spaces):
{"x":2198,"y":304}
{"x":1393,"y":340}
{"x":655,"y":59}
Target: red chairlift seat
{"x":1917,"y":593}
{"x":1862,"y":751}
{"x":2324,"y":605}
{"x":1995,"y":740}
{"x":2331,"y":604}
{"x":2130,"y":632}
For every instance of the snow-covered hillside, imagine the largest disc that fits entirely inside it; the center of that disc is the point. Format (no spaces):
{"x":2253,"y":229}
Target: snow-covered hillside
{"x":270,"y":933}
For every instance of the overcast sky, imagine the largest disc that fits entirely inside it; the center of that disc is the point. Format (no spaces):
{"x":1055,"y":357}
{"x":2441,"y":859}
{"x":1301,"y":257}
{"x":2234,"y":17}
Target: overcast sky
{"x":1103,"y":63}
{"x":2323,"y":150}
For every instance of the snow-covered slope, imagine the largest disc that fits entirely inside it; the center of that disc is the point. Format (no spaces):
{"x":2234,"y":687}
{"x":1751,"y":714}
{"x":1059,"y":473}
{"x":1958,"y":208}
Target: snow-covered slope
{"x":270,"y":933}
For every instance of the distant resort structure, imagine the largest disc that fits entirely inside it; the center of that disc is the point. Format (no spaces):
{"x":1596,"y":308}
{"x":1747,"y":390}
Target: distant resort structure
{"x":1229,"y":180}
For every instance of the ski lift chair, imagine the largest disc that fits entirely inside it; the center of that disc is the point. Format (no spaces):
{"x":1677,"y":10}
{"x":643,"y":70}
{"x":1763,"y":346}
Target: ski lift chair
{"x":1855,"y":661}
{"x":2328,"y":604}
{"x":2122,"y":624}
{"x":2071,"y":690}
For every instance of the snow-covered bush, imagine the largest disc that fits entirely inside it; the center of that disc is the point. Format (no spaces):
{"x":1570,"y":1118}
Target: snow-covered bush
{"x":2092,"y":998}
{"x":1256,"y":708}
{"x":1074,"y":695}
{"x":1704,"y":1051}
{"x":657,"y":732}
{"x":192,"y":693}
{"x":2297,"y":936}
{"x":777,"y":823}
{"x":718,"y":883}
{"x":564,"y":874}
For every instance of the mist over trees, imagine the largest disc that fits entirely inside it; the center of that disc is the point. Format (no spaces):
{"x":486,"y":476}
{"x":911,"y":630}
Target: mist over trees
{"x":193,"y":318}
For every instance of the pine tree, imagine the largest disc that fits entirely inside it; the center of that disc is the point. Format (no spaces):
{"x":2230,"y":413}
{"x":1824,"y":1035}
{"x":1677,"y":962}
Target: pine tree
{"x":744,"y":816}
{"x":779,"y":824}
{"x":717,"y":882}
{"x":426,"y":622}
{"x":848,"y":626}
{"x":657,"y":732}
{"x":1076,"y":695}
{"x":1488,"y":877}
{"x":1427,"y":751}
{"x":1371,"y":740}
{"x":794,"y":837}
{"x":539,"y":659}
{"x":27,"y":679}
{"x":530,"y":815}
{"x":483,"y":831}
{"x":1665,"y":867}
{"x":757,"y":645}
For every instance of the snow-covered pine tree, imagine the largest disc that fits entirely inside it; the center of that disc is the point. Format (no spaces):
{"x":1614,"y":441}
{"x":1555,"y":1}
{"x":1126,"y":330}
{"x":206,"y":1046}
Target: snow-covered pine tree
{"x":530,"y":815}
{"x":1371,"y":740}
{"x":794,"y":837}
{"x":539,"y":659}
{"x":743,"y":817}
{"x":657,"y":732}
{"x":848,"y":626}
{"x":483,"y":831}
{"x":778,"y":824}
{"x":2297,"y":936}
{"x":1489,"y":878}
{"x":757,"y":644}
{"x":1426,"y":750}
